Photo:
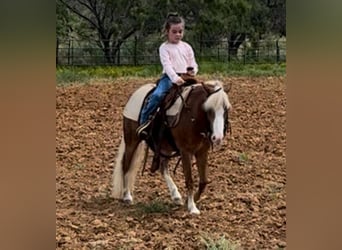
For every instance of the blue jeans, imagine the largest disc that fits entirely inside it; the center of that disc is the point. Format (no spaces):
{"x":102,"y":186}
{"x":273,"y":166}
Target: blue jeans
{"x":155,"y":98}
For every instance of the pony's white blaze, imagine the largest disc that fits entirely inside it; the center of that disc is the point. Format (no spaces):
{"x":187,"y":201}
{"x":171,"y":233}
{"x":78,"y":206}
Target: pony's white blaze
{"x":217,"y":102}
{"x":218,"y":127}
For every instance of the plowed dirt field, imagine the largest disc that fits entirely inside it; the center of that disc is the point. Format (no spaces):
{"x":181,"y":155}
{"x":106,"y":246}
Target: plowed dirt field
{"x":244,"y":203}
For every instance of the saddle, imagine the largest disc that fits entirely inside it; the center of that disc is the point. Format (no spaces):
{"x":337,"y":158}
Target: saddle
{"x":175,"y":100}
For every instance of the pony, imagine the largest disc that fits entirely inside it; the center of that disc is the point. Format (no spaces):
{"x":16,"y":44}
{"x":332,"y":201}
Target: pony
{"x":203,"y":122}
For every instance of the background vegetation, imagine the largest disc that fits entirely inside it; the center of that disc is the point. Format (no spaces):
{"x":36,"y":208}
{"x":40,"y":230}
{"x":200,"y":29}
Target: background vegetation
{"x":110,"y":32}
{"x":69,"y":74}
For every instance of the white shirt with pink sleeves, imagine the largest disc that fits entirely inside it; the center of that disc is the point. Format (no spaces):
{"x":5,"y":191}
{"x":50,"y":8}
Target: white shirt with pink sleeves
{"x":175,"y":58}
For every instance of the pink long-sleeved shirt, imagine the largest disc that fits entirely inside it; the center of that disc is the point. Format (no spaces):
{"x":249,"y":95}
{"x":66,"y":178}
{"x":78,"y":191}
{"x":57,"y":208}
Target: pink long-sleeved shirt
{"x":175,"y":58}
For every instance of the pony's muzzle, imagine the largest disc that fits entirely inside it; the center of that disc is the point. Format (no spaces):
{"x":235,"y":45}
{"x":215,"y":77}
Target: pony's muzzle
{"x":216,"y":140}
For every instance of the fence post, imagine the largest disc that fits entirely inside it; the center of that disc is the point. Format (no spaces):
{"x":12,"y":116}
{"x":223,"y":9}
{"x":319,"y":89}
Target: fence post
{"x":57,"y":47}
{"x":69,"y":51}
{"x":245,"y":50}
{"x":278,"y":52}
{"x":72,"y":52}
{"x":118,"y":55}
{"x":228,"y":43}
{"x":135,"y":50}
{"x":200,"y":45}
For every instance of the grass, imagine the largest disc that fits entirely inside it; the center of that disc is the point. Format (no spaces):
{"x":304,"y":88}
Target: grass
{"x":239,"y":69}
{"x":68,"y":74}
{"x":220,"y":244}
{"x":243,"y":158}
{"x":156,"y":206}
{"x":83,"y":74}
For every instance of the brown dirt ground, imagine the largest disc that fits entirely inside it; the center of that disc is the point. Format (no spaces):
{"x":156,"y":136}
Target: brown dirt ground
{"x":245,"y":201}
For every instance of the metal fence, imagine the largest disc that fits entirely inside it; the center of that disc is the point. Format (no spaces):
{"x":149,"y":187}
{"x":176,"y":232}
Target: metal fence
{"x":143,"y":52}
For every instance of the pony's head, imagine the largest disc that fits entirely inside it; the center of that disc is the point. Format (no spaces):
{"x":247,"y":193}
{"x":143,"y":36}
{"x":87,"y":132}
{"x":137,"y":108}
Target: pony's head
{"x":217,"y":107}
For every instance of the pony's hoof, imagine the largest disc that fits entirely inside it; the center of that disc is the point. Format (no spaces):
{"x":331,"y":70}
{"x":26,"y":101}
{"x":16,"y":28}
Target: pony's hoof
{"x":178,"y":201}
{"x":195,"y":211}
{"x":128,"y":202}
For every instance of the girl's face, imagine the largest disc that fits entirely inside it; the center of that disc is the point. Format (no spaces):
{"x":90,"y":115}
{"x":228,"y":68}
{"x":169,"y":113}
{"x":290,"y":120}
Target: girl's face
{"x":175,"y":33}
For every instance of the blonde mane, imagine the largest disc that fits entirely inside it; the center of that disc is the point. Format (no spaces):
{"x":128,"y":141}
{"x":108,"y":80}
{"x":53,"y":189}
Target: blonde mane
{"x":217,"y":99}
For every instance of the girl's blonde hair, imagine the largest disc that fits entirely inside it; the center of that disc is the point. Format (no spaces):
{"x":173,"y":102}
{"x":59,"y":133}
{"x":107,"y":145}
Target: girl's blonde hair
{"x":172,"y":18}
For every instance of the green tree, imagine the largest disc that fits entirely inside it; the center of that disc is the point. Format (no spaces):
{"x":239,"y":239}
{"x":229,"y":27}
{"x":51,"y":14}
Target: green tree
{"x":277,"y":17}
{"x":110,"y":22}
{"x":63,"y":21}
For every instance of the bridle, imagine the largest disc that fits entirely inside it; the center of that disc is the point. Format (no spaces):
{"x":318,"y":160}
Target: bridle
{"x":227,"y":125}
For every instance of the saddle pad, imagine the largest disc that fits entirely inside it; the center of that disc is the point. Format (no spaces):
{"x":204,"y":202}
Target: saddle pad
{"x":133,"y":106}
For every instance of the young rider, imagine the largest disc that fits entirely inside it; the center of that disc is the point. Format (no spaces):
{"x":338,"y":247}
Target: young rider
{"x":176,"y":57}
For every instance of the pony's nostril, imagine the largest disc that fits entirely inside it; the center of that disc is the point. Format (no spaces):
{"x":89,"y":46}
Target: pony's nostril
{"x":213,"y":138}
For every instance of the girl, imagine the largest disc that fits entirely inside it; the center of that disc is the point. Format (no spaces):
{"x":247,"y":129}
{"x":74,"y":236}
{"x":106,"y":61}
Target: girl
{"x":176,"y":57}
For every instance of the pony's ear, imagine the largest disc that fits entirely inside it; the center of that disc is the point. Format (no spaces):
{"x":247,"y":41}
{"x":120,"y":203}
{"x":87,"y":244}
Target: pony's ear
{"x":227,"y":87}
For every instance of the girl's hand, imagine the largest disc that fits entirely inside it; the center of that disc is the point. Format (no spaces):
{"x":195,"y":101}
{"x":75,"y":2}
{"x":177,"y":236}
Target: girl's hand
{"x":191,"y":73}
{"x":180,"y":81}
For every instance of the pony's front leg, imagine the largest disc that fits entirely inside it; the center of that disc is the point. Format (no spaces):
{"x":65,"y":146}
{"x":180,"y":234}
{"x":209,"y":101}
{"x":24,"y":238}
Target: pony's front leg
{"x":186,"y":160}
{"x":175,"y":195}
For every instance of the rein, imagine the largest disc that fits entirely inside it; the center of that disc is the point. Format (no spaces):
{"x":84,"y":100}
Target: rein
{"x":161,"y":154}
{"x":215,"y":91}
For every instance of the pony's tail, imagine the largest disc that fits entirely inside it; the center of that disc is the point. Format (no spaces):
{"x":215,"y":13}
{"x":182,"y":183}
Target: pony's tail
{"x":117,"y":190}
{"x":118,"y":178}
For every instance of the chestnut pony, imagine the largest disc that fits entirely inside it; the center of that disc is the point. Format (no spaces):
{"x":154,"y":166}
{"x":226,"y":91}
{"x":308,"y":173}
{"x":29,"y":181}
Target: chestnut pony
{"x":203,"y":122}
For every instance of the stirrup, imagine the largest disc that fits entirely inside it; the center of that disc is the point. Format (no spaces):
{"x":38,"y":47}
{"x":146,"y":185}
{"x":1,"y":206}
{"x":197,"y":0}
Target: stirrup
{"x":143,"y":135}
{"x":141,"y":130}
